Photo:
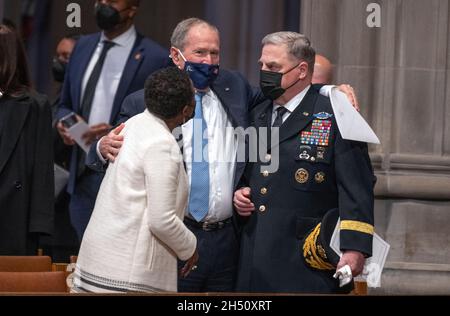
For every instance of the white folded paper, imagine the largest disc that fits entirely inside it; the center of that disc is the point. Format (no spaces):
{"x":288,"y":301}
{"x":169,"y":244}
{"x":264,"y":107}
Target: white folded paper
{"x":77,"y":131}
{"x":374,"y":265}
{"x":61,"y":178}
{"x":350,"y":123}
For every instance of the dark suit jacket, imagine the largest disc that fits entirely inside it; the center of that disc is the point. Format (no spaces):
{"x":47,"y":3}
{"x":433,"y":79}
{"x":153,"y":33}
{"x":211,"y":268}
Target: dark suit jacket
{"x":26,"y":173}
{"x":146,"y":57}
{"x":235,"y":94}
{"x":311,"y":179}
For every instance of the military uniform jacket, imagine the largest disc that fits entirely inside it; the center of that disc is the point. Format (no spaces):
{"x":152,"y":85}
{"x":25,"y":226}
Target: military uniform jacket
{"x":318,"y":171}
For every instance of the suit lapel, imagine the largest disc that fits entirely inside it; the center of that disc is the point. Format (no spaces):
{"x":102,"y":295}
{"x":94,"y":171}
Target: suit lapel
{"x":264,"y":117}
{"x":14,"y":118}
{"x":231,"y":102}
{"x":300,"y":118}
{"x":225,"y":89}
{"x":262,"y":121}
{"x":135,"y":59}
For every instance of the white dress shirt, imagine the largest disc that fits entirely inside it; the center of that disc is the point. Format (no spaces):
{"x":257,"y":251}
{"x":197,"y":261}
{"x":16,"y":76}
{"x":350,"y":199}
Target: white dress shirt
{"x":222,"y":151}
{"x":290,"y":106}
{"x":110,"y":76}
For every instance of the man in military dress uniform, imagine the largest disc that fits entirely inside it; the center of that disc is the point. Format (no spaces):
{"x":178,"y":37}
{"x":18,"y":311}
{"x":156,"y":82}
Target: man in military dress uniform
{"x":318,"y":171}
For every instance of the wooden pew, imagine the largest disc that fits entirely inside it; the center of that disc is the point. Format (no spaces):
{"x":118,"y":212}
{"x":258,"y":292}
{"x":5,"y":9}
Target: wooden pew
{"x":25,"y":264}
{"x":33,"y":282}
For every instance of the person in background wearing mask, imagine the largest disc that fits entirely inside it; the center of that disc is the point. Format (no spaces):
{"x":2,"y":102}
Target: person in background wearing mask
{"x":63,"y":51}
{"x":136,"y":231}
{"x":104,"y":68}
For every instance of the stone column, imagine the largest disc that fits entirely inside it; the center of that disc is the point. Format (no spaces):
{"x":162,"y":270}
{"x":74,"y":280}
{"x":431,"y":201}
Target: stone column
{"x":2,"y":4}
{"x":242,"y":25}
{"x":10,"y":10}
{"x":401,"y":72}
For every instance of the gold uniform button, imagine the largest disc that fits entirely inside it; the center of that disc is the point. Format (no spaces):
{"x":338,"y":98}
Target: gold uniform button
{"x":264,"y":191}
{"x":262,"y":208}
{"x":302,"y":175}
{"x":265,"y":173}
{"x":319,"y":177}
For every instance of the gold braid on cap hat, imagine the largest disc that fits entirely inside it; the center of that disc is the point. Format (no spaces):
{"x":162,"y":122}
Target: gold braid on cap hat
{"x":314,"y":254}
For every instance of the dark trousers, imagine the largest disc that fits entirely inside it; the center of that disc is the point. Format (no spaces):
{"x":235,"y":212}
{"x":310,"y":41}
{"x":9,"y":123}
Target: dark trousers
{"x":82,"y":201}
{"x":217,"y":264}
{"x":63,"y":243}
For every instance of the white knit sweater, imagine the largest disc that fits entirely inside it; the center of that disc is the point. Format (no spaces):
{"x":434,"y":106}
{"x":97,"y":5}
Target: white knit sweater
{"x":136,"y":231}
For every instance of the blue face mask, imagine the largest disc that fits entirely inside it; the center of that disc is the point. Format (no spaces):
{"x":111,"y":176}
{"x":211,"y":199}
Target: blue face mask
{"x":202,"y":75}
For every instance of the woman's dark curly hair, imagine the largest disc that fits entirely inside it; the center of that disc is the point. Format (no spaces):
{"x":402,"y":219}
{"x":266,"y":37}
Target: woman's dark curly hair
{"x":14,"y":74}
{"x":168,"y":91}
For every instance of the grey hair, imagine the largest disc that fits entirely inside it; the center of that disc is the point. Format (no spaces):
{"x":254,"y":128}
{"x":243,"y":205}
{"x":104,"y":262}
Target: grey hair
{"x":180,"y":32}
{"x":298,"y":45}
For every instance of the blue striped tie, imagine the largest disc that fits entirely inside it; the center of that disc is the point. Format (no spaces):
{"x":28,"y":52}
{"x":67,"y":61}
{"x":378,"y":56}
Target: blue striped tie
{"x":199,"y":193}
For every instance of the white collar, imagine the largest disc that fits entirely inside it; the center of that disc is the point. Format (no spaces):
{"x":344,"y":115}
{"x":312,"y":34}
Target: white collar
{"x":124,"y":39}
{"x":294,"y":102}
{"x":208,"y":93}
{"x":156,"y":119}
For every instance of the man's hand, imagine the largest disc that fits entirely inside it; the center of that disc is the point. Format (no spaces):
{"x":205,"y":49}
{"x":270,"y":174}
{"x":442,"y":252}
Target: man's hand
{"x":95,"y":132}
{"x":190,"y":265}
{"x":351,"y":95}
{"x":110,"y":144}
{"x":354,"y":259}
{"x":64,"y":134}
{"x":243,"y":203}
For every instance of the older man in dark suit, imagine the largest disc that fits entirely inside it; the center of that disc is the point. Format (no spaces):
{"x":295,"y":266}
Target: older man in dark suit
{"x":223,"y":100}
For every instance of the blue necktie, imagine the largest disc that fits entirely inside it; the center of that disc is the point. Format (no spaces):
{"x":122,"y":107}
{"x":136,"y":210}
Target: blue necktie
{"x":199,"y":193}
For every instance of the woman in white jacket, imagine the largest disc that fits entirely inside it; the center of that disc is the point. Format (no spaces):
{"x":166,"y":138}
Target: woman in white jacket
{"x":136,"y":231}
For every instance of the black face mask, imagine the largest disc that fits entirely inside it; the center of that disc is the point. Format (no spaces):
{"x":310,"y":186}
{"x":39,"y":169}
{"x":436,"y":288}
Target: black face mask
{"x":107,"y":17}
{"x":58,"y":70}
{"x":270,"y":83}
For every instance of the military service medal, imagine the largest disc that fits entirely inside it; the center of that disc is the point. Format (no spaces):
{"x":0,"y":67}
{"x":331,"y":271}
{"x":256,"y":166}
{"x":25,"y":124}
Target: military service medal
{"x":302,"y":175}
{"x":320,"y":130}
